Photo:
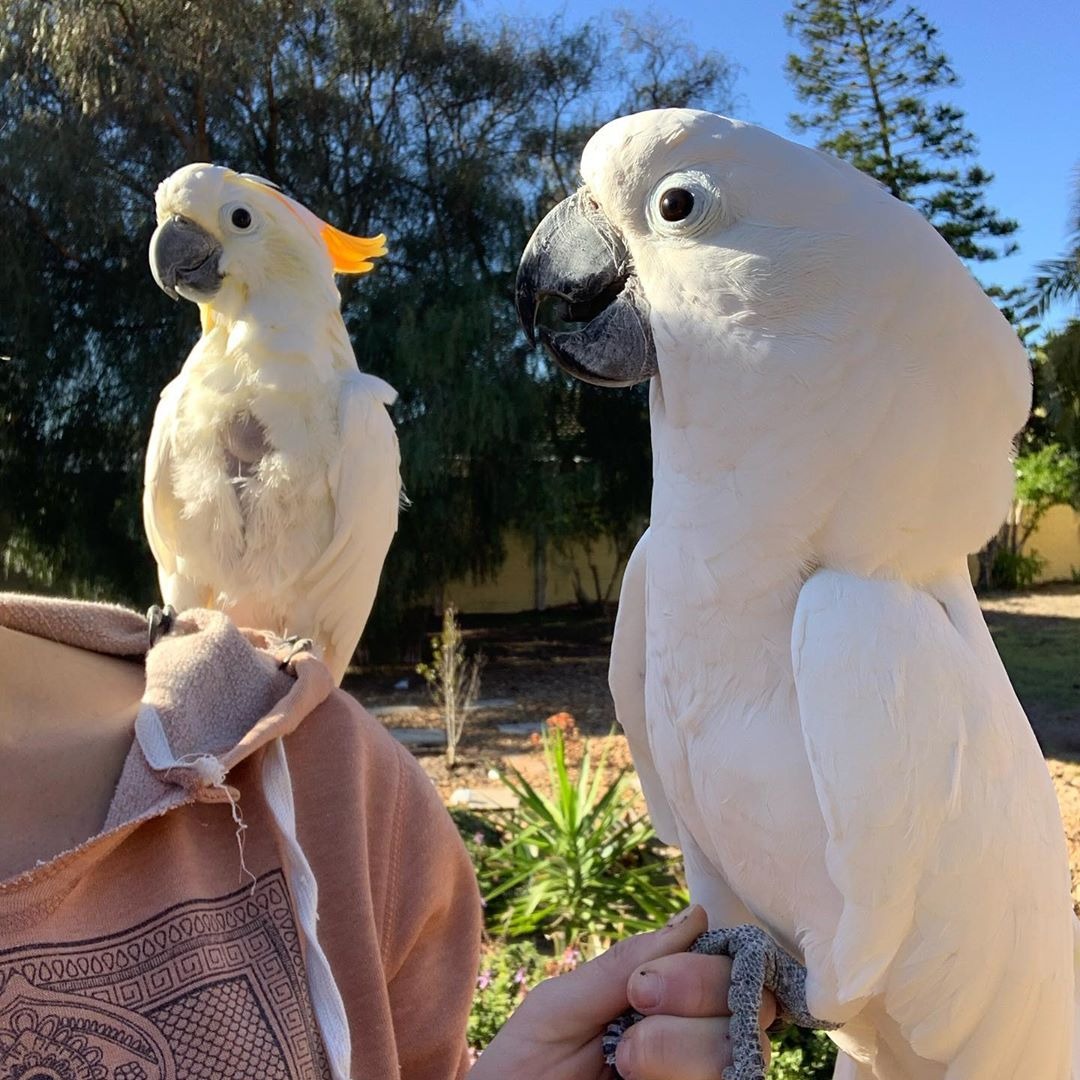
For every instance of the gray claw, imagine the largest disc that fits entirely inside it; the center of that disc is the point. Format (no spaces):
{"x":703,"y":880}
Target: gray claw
{"x":159,"y":621}
{"x":297,"y":645}
{"x":757,"y":964}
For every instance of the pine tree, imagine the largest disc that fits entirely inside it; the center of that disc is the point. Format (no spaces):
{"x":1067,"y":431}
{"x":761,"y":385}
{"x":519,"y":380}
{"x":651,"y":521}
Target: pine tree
{"x":869,"y":74}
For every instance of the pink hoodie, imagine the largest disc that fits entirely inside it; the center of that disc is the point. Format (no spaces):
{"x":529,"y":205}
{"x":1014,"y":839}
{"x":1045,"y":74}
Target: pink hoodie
{"x":163,"y":948}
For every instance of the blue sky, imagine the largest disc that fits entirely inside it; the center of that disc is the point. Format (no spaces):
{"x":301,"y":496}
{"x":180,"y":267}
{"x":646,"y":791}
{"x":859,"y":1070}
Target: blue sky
{"x":1020,"y":89}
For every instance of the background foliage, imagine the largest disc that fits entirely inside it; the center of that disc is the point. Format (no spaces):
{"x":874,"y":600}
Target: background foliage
{"x":870,"y":72}
{"x":453,"y":137}
{"x":393,"y":115}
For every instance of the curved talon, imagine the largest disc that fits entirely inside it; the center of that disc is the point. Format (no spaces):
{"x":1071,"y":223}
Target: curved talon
{"x":298,"y":645}
{"x":159,"y":621}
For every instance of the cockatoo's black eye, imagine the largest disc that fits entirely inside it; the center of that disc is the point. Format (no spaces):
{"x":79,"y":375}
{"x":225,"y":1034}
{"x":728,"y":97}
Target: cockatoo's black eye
{"x":241,"y":217}
{"x":676,"y":204}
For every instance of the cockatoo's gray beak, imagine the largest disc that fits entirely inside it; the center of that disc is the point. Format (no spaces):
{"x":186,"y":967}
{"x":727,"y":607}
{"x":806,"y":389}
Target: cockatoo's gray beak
{"x":184,"y":259}
{"x":579,"y":260}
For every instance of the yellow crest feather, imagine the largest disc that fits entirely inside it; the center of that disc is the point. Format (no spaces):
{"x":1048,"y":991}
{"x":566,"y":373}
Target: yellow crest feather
{"x":352,"y":254}
{"x":348,"y":254}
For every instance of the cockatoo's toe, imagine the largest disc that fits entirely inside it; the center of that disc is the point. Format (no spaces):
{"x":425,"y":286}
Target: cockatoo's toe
{"x":614,"y":1032}
{"x":159,"y":621}
{"x":757,"y":964}
{"x":292,"y":647}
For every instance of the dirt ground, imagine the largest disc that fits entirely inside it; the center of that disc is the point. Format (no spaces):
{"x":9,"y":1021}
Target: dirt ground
{"x":534,"y":668}
{"x":542,"y":665}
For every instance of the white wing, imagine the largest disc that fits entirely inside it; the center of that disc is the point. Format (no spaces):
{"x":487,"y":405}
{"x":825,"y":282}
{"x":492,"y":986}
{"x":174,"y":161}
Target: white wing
{"x":336,"y":595}
{"x":944,"y":836}
{"x":161,"y":510}
{"x":626,"y":678}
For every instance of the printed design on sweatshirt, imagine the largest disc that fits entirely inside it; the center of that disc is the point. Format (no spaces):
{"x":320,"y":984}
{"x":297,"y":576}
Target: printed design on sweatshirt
{"x":206,"y":990}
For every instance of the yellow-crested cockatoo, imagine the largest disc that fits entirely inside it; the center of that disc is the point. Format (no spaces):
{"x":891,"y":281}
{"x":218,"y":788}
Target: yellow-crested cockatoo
{"x":817,"y":712}
{"x":272,"y":475}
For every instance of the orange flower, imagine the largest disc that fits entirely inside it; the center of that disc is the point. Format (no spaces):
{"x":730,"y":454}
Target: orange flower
{"x":563,"y":721}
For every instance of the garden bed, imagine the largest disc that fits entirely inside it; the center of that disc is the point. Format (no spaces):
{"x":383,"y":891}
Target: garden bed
{"x":539,"y":665}
{"x":556,"y":664}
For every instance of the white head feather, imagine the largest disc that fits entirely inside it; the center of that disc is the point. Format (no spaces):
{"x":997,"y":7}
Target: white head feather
{"x":818,"y":343}
{"x":284,"y":251}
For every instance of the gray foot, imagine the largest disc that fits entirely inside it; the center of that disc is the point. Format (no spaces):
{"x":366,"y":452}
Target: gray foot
{"x":294,"y":646}
{"x":757,"y":964}
{"x":159,"y":622}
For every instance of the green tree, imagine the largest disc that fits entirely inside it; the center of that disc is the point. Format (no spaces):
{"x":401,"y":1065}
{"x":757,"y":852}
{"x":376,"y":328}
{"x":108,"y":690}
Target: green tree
{"x":393,"y":115}
{"x":868,"y":72}
{"x":1045,"y":477}
{"x":1056,"y":415}
{"x":1059,"y":279}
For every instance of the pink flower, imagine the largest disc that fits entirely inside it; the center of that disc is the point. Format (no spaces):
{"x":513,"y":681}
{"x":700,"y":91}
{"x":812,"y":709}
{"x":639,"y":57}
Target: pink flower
{"x":484,"y":981}
{"x":519,"y":975}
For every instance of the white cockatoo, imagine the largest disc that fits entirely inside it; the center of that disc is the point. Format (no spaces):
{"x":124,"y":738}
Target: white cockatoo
{"x":272,"y":475}
{"x":817,"y":712}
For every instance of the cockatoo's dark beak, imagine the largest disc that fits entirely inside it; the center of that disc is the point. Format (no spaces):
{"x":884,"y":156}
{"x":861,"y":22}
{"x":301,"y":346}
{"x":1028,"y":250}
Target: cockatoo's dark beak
{"x":579,"y":260}
{"x":184,"y":260}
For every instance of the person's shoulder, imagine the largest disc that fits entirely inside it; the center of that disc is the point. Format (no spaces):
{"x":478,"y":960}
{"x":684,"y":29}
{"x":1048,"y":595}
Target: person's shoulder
{"x":341,"y":755}
{"x":369,"y":813}
{"x":341,"y":717}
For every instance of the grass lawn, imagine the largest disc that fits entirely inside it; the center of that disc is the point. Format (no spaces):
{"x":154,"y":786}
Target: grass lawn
{"x":1043,"y":662}
{"x":1038,"y":636}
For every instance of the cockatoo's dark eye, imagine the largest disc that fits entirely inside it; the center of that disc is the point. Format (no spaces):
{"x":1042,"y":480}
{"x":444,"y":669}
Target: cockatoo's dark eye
{"x":241,"y":217}
{"x":676,"y":204}
{"x":684,"y":204}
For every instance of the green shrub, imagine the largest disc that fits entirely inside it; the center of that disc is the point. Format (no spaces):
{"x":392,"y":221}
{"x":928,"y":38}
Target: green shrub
{"x":1015,"y":570}
{"x":453,"y":679}
{"x":507,"y":972}
{"x":580,"y":867}
{"x":799,"y":1054}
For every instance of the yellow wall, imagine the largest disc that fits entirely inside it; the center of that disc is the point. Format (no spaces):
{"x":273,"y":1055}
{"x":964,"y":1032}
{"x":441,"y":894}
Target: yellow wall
{"x":1057,"y":540}
{"x":514,"y":588}
{"x":511,"y":589}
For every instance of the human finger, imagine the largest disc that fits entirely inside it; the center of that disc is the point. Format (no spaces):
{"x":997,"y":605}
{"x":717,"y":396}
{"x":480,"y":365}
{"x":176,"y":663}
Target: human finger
{"x":594,"y":993}
{"x":688,"y":984}
{"x":678,"y":1048}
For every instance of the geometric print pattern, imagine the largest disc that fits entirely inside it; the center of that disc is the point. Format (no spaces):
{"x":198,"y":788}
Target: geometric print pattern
{"x":210,"y":989}
{"x":219,"y":1034}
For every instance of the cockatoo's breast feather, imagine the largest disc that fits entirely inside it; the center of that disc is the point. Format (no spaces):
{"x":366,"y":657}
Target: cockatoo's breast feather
{"x":252,"y":532}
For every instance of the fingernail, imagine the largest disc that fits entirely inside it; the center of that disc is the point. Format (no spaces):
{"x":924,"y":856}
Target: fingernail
{"x":647,"y":991}
{"x":678,"y":920}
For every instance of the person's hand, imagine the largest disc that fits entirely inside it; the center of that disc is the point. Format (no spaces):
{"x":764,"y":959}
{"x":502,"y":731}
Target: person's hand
{"x":555,"y":1033}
